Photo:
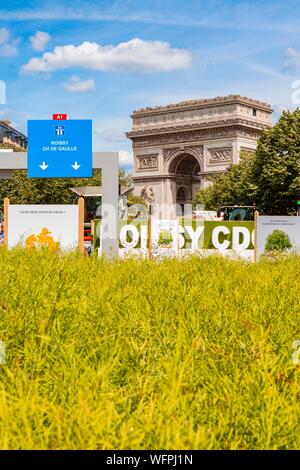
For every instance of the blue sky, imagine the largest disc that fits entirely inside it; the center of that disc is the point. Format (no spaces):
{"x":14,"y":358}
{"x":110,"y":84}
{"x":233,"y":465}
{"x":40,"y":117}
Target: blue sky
{"x":102,"y":59}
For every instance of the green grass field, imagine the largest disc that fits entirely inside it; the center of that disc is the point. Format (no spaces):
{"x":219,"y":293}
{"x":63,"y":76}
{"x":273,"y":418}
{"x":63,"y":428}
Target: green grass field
{"x":192,"y":354}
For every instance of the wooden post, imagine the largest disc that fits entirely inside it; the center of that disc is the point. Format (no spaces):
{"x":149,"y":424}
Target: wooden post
{"x":150,"y":231}
{"x":150,"y":235}
{"x":92,"y":231}
{"x":81,"y":224}
{"x":256,"y":216}
{"x":177,"y":254}
{"x":93,"y":228}
{"x":6,"y":206}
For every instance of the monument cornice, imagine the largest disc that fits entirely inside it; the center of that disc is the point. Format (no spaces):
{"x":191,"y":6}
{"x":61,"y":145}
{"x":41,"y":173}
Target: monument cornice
{"x":174,"y":177}
{"x":162,"y":176}
{"x":203,"y":103}
{"x":194,"y":137}
{"x":208,"y":125}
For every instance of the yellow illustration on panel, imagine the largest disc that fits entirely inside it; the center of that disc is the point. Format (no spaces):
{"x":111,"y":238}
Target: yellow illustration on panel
{"x":42,"y":239}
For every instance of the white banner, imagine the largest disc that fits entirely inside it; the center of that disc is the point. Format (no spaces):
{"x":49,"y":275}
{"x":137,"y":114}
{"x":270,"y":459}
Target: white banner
{"x":55,"y":226}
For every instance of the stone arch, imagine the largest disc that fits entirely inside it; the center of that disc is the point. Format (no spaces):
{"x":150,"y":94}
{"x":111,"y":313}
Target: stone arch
{"x":180,"y":155}
{"x":184,"y":169}
{"x":181,"y":194}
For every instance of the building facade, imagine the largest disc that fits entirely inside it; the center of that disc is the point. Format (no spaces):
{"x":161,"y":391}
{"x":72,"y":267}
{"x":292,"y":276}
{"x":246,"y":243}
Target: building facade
{"x":176,"y":148}
{"x":11,"y":137}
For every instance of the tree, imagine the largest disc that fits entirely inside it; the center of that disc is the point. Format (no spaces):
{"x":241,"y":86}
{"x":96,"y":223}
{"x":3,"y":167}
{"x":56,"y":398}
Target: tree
{"x":132,"y":199}
{"x":232,"y":187}
{"x":275,"y":170}
{"x":23,"y":190}
{"x":268,"y":178}
{"x":125,"y":179}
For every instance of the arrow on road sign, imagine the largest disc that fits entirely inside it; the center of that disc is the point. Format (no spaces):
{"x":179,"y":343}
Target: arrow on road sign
{"x":43,"y":166}
{"x":76,"y":166}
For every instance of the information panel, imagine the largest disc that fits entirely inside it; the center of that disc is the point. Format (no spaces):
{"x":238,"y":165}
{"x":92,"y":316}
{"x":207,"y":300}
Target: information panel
{"x":54,"y":226}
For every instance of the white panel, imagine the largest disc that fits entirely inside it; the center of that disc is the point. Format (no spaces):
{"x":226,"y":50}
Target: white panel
{"x":60,"y":220}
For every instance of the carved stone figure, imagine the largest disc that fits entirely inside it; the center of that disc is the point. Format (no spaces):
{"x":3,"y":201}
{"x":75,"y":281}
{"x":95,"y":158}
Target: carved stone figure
{"x":220,"y":155}
{"x":146,"y":162}
{"x":148,"y":195}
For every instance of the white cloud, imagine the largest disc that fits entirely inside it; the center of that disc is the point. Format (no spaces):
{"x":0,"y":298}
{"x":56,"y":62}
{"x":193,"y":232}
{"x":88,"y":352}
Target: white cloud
{"x":12,"y":114}
{"x":7,"y":48}
{"x":4,"y":35}
{"x":125,"y":158}
{"x":112,"y":135}
{"x":241,"y":15}
{"x":292,"y":59}
{"x":39,"y":40}
{"x":279,"y":108}
{"x":135,"y":55}
{"x":76,"y":84}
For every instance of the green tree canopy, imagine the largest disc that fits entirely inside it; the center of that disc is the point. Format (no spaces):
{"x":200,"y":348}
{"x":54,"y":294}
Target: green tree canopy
{"x":275,"y":170}
{"x":23,"y":190}
{"x":232,"y":187}
{"x":268,"y":178}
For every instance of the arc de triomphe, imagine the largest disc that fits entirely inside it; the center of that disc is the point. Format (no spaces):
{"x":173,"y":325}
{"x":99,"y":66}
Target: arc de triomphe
{"x":177,"y":147}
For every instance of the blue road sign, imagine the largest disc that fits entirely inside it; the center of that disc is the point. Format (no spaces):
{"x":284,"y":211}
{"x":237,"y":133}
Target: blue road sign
{"x":61,"y":150}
